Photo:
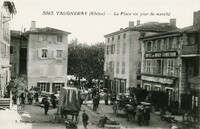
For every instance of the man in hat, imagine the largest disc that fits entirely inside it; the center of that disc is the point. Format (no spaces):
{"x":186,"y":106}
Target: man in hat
{"x":46,"y":105}
{"x":85,"y":119}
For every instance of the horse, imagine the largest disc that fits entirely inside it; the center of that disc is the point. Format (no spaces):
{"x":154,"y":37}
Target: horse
{"x":130,"y":112}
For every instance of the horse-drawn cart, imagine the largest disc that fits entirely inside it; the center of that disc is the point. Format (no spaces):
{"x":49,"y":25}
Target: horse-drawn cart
{"x":120,"y":104}
{"x":69,"y":106}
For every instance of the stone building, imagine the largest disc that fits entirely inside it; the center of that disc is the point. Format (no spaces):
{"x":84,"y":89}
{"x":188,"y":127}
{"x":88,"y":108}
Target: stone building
{"x":47,"y":57}
{"x":7,"y":10}
{"x":15,"y":53}
{"x":170,"y":63}
{"x":123,"y":54}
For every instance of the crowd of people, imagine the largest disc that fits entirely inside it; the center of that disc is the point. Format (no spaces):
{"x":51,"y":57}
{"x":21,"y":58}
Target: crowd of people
{"x":32,"y":95}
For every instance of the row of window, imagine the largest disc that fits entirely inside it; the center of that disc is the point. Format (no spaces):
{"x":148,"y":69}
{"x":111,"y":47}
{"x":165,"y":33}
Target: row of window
{"x":50,"y":38}
{"x":118,"y":37}
{"x":162,"y":44}
{"x":110,"y":67}
{"x":4,"y":51}
{"x":46,"y":53}
{"x":45,"y":86}
{"x":160,"y":67}
{"x":111,"y":48}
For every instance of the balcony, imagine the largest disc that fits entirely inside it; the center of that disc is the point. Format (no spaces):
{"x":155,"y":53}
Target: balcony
{"x":190,"y":50}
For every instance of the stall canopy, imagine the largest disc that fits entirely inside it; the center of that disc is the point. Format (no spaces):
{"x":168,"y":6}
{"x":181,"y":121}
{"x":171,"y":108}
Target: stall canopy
{"x":70,"y":99}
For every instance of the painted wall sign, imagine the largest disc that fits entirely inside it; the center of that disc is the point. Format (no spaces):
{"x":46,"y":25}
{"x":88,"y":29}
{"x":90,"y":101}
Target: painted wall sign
{"x":171,"y":54}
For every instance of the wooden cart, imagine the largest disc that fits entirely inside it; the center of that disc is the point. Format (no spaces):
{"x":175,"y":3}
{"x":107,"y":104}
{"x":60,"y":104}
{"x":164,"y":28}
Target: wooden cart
{"x":69,"y":107}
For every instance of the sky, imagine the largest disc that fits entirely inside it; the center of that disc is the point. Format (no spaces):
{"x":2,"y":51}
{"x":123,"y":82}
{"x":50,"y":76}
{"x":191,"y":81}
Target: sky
{"x":114,"y":14}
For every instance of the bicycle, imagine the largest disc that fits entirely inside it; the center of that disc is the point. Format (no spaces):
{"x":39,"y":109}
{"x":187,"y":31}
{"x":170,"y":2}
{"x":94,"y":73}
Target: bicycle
{"x":20,"y":108}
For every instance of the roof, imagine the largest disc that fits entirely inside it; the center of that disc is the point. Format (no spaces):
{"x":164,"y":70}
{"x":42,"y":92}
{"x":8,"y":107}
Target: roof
{"x":47,"y":30}
{"x":15,"y":33}
{"x":149,"y":26}
{"x":188,"y":29}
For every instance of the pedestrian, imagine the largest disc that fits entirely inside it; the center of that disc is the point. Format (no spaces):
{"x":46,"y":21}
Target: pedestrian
{"x":53,"y":100}
{"x":22,"y":98}
{"x":147,"y":115}
{"x":85,"y":119}
{"x":95,"y":103}
{"x":36,"y":97}
{"x":106,"y":98}
{"x":113,"y":97}
{"x":45,"y":102}
{"x":139,"y":114}
{"x":94,"y":92}
{"x":83,"y":96}
{"x":30,"y":97}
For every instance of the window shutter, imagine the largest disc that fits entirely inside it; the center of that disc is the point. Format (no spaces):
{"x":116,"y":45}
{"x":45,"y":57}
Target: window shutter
{"x":49,"y":53}
{"x":53,"y":87}
{"x":48,"y":87}
{"x":165,"y":67}
{"x":39,"y":53}
{"x":38,"y":85}
{"x":62,"y":84}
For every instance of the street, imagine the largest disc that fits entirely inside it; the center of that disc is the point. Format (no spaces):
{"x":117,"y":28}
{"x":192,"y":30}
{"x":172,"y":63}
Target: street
{"x":34,"y":118}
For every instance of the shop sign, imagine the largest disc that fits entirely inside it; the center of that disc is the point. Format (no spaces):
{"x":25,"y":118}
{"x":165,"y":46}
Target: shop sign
{"x":171,"y":54}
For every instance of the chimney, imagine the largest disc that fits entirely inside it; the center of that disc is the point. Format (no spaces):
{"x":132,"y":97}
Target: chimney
{"x":172,"y":22}
{"x":121,"y":29}
{"x":33,"y":25}
{"x":131,"y":24}
{"x":138,"y":22}
{"x":24,"y":29}
{"x":196,"y":18}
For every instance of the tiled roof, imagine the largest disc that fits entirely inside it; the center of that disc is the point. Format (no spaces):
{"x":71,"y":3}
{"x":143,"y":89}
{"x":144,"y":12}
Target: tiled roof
{"x":149,"y":26}
{"x":47,"y":30}
{"x":156,"y":26}
{"x":189,"y":29}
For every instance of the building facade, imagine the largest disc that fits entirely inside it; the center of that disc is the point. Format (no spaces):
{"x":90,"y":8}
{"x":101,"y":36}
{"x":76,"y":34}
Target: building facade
{"x":123,"y":54}
{"x":15,"y":53}
{"x":161,"y":57}
{"x":190,"y":70}
{"x":47,"y":57}
{"x":170,"y":64}
{"x":7,"y":9}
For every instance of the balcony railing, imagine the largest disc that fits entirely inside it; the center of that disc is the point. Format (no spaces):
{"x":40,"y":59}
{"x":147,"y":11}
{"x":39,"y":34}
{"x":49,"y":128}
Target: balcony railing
{"x":190,"y":50}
